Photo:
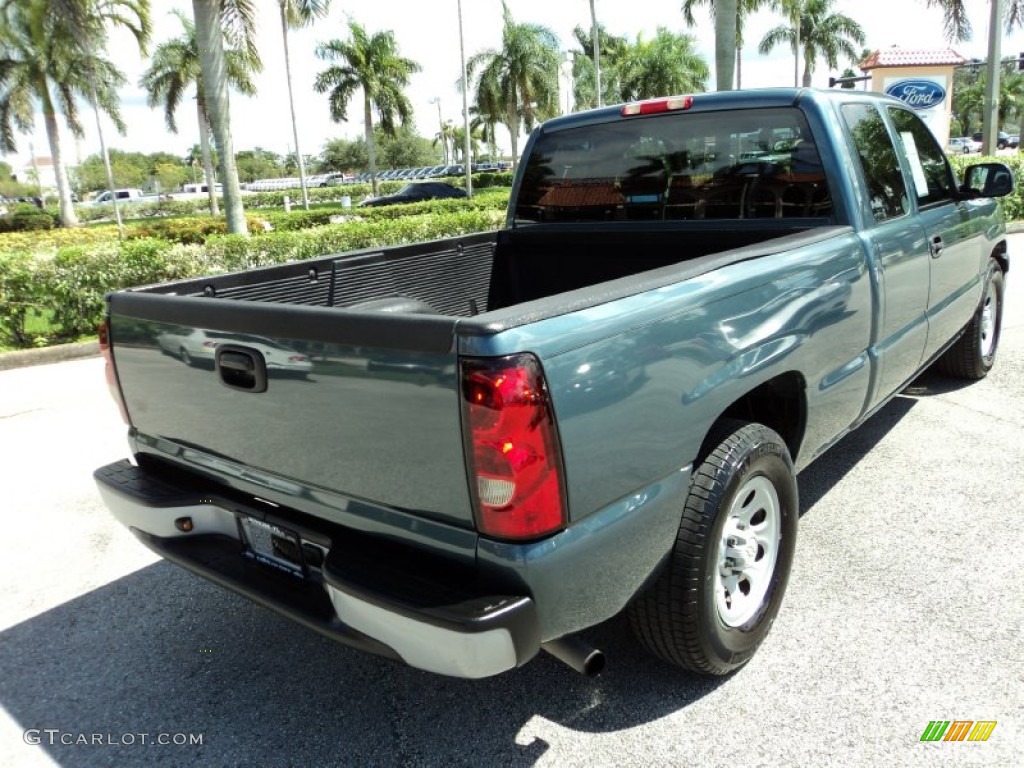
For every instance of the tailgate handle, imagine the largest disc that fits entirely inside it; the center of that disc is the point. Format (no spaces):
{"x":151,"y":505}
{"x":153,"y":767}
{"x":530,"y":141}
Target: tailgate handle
{"x":241,"y":368}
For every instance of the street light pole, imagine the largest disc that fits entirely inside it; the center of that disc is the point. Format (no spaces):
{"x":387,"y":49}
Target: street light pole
{"x":597,"y":53}
{"x":465,"y":110}
{"x":990,"y":117}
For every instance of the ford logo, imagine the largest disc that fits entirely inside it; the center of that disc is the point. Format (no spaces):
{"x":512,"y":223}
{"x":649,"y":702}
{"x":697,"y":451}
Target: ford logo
{"x":919,"y":94}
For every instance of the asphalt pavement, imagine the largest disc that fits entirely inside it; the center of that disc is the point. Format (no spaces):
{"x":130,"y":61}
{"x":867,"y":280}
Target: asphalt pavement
{"x":904,"y":607}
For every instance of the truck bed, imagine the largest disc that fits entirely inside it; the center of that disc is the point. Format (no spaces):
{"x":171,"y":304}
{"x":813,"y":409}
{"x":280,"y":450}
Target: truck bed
{"x":477,"y":274}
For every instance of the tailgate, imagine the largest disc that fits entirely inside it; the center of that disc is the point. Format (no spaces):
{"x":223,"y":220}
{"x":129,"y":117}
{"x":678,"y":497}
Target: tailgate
{"x":361,"y":403}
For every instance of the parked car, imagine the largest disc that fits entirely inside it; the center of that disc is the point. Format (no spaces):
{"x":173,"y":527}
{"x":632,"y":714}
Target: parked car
{"x":1002,"y":139}
{"x":198,"y":348}
{"x":1014,"y":140}
{"x":414,"y":193}
{"x":963,"y":145}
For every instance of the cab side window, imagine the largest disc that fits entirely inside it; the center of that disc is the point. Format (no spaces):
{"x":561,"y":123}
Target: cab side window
{"x":887,"y":191}
{"x":929,"y":168}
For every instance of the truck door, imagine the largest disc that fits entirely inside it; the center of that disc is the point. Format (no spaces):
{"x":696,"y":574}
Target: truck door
{"x":897,"y":241}
{"x":955,"y":240}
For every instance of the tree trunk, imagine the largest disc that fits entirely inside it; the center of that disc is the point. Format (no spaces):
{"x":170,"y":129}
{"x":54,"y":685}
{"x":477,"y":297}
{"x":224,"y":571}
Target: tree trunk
{"x":513,"y":132}
{"x":204,"y":149}
{"x":725,"y":43}
{"x":371,"y":150}
{"x":739,"y":68}
{"x":796,"y":49}
{"x":106,"y":165}
{"x":215,"y":90}
{"x":67,"y":209}
{"x":291,"y":106}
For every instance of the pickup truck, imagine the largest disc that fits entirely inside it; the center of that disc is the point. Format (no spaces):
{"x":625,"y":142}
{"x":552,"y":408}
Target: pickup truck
{"x":123,"y":196}
{"x":504,"y":439}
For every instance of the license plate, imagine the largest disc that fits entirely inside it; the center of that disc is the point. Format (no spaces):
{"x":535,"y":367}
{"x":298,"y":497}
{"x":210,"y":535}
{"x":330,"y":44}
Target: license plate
{"x":272,"y":545}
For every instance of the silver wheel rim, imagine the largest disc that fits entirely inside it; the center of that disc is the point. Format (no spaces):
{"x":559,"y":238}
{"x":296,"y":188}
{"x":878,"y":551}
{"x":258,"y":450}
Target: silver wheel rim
{"x":748,"y":551}
{"x":989,"y":313}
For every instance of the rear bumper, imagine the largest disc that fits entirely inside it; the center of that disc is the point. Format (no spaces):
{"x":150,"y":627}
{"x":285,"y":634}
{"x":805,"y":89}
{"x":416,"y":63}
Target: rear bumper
{"x":391,"y":603}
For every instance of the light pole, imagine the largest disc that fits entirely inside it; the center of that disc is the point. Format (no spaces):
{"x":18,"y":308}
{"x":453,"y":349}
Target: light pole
{"x":597,"y":53}
{"x":568,"y":57}
{"x":465,"y":110}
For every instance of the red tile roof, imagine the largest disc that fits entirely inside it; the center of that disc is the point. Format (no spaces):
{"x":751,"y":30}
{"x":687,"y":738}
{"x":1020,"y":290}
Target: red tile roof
{"x":899,"y":57}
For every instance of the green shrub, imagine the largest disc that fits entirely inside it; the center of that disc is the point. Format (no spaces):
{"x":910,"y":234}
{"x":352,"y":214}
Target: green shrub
{"x":20,"y":294}
{"x":186,"y":230}
{"x":26,"y":218}
{"x":1013,"y":204}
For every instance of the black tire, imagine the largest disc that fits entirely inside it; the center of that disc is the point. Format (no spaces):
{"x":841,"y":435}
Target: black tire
{"x":679,"y":617}
{"x":974,"y":353}
{"x":186,"y":358}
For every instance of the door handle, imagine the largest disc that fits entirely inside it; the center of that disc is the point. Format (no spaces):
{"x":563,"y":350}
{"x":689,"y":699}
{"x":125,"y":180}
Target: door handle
{"x":935,"y":247}
{"x":241,"y":368}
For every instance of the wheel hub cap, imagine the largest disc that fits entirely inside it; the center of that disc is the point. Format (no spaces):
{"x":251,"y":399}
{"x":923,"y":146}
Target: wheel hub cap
{"x":989,"y":312}
{"x":748,"y":551}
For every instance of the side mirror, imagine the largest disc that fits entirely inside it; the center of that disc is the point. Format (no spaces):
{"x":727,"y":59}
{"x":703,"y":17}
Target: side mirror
{"x":987,"y":180}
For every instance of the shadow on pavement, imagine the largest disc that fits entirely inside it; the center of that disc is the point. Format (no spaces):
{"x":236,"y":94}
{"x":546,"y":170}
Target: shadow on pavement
{"x":819,"y":478}
{"x":161,"y":651}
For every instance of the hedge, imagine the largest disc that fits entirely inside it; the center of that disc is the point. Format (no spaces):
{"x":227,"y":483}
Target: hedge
{"x":263,"y":200}
{"x":67,"y":284}
{"x":1012,"y":204}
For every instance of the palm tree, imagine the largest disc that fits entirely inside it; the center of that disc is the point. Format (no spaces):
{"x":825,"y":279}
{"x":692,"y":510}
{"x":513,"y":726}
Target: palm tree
{"x":726,"y":13}
{"x":519,"y":81}
{"x":743,"y":9}
{"x":296,"y":14}
{"x":584,"y":76}
{"x":485,"y":123}
{"x":175,"y":69}
{"x":48,"y":58}
{"x":373,"y":64}
{"x":666,"y":65}
{"x":816,"y":32}
{"x":446,"y":138}
{"x":215,"y":21}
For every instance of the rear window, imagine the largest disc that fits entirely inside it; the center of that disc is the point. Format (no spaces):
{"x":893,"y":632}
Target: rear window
{"x":735,"y":164}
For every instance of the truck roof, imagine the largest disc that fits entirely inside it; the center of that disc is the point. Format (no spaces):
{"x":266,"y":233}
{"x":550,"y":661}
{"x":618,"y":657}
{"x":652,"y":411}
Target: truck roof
{"x":718,"y":100}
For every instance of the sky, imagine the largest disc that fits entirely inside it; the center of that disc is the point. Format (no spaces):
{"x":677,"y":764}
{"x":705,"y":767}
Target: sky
{"x":427,"y":32}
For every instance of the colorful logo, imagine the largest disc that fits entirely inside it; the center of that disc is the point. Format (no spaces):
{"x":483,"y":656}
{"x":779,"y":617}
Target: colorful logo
{"x":958,"y":730}
{"x":919,"y":94}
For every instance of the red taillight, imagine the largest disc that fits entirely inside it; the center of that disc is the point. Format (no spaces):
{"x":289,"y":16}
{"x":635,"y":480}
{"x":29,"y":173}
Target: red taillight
{"x":653,"y":106}
{"x":108,"y":369}
{"x":515,"y":462}
{"x":297,"y":359}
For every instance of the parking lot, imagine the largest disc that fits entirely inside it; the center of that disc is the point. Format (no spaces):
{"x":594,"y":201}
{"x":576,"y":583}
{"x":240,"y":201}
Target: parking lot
{"x":904,"y":606}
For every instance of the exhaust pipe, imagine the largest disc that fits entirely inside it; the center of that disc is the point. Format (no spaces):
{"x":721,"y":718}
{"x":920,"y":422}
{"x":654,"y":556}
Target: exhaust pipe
{"x":577,"y":654}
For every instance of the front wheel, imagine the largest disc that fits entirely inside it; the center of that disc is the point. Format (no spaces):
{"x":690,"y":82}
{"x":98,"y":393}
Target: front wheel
{"x":974,"y":353}
{"x":719,"y":593}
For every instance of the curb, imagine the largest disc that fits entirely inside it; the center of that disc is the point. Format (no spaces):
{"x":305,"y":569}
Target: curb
{"x":58,"y":354}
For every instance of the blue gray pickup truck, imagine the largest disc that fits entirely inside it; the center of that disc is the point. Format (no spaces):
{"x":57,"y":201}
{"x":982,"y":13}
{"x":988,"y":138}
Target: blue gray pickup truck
{"x":459,"y":453}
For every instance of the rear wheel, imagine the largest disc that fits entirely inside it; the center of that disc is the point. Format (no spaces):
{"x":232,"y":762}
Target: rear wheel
{"x":974,"y":353}
{"x":716,"y":599}
{"x":186,"y":358}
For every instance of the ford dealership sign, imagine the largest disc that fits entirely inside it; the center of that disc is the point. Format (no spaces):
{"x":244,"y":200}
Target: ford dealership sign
{"x":919,"y":94}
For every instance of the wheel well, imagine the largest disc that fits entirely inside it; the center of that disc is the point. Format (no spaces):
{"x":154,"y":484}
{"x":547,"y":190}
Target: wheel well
{"x":999,"y":254}
{"x":779,"y":404}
